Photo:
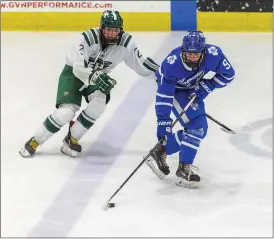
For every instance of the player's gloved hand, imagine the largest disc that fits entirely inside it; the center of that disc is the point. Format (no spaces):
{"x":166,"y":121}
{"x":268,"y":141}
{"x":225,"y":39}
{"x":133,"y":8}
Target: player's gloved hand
{"x":163,"y":127}
{"x":103,"y":82}
{"x":201,"y":91}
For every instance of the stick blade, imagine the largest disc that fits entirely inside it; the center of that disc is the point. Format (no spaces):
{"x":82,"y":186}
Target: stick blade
{"x":106,"y":206}
{"x":228,"y":131}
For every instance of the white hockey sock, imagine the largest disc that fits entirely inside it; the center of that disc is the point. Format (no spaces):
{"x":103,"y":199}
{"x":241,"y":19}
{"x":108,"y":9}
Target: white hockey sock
{"x":42,"y":135}
{"x":78,"y":130}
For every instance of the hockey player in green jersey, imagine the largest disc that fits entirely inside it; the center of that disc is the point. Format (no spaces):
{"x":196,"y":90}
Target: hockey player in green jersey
{"x":85,"y":74}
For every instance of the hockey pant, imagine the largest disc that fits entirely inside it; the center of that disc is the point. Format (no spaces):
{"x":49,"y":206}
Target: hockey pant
{"x":194,"y":122}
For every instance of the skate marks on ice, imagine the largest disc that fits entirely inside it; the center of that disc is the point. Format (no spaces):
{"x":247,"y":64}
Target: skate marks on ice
{"x":219,"y":181}
{"x":255,"y":138}
{"x":221,"y":200}
{"x":82,"y":184}
{"x":69,"y":204}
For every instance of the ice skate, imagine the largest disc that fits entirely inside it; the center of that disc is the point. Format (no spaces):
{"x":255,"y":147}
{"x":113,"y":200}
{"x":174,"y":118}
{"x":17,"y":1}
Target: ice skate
{"x":187,"y":176}
{"x":71,"y":147}
{"x":29,"y":148}
{"x":158,"y":155}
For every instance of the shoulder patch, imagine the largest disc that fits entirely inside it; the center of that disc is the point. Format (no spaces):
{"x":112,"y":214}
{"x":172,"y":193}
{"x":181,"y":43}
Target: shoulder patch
{"x":86,"y":38}
{"x":171,"y":59}
{"x":91,"y":37}
{"x":125,"y":39}
{"x":213,"y":50}
{"x":95,"y":37}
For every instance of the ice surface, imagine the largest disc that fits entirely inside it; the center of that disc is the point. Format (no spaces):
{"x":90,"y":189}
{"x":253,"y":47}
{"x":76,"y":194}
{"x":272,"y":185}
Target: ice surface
{"x":53,"y":195}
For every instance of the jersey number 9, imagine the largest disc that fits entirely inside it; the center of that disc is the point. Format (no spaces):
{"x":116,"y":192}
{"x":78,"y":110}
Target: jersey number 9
{"x":226,"y":64}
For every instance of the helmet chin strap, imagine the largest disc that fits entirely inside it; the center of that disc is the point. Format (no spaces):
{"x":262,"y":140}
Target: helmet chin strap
{"x":190,"y":65}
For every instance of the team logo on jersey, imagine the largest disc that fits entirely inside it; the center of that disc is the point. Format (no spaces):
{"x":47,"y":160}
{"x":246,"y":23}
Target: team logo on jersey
{"x":213,"y":50}
{"x":197,"y":77}
{"x":181,"y":81}
{"x":99,"y":64}
{"x":171,"y":59}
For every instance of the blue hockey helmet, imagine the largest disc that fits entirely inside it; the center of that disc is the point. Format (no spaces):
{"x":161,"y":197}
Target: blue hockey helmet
{"x":193,"y":42}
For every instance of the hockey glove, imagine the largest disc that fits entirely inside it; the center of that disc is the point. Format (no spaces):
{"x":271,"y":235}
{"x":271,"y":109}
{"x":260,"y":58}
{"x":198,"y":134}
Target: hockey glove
{"x":202,"y":90}
{"x":103,"y":82}
{"x":163,"y":128}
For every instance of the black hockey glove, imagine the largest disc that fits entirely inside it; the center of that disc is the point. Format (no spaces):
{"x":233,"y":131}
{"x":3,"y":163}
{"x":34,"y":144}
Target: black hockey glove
{"x":103,"y":82}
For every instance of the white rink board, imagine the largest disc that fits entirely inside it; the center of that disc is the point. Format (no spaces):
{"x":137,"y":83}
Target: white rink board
{"x":84,"y":6}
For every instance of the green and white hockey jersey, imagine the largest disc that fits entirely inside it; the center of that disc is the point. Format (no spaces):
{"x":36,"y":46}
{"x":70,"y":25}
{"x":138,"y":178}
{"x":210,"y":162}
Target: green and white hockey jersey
{"x":88,"y":55}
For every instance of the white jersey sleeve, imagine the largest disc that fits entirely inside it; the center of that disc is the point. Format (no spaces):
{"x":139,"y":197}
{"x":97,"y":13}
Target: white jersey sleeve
{"x":78,"y":59}
{"x":142,"y":65}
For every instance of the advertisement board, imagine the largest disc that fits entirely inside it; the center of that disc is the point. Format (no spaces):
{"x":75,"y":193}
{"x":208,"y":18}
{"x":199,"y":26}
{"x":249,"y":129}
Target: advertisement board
{"x":84,"y":6}
{"x":235,"y":6}
{"x":235,"y":15}
{"x":82,"y":15}
{"x":175,"y":15}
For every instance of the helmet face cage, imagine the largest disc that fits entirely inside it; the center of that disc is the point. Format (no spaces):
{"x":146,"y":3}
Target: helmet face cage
{"x":111,"y":19}
{"x":193,"y":42}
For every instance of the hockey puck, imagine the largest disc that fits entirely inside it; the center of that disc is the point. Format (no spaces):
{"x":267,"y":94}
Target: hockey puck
{"x":111,"y":204}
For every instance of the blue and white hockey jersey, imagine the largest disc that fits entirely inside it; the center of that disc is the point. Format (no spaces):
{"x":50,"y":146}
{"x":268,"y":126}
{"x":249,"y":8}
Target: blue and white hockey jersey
{"x":215,"y":71}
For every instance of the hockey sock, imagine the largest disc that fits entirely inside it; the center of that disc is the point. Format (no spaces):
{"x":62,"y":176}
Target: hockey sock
{"x":81,"y":125}
{"x":42,"y":134}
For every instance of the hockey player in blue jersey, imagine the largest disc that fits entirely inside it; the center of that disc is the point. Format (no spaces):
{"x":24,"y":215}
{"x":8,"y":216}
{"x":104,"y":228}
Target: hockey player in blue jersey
{"x":195,"y":68}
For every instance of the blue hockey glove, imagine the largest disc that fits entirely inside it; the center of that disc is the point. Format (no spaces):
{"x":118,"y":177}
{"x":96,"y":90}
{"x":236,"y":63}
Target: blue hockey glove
{"x":201,"y":91}
{"x":163,"y":128}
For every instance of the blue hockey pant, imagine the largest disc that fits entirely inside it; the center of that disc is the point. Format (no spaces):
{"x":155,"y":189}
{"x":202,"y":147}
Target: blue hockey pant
{"x":194,"y":123}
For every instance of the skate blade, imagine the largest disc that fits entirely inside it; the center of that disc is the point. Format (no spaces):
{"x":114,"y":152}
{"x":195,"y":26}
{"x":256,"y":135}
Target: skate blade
{"x":67,"y":151}
{"x":186,"y":184}
{"x":24,"y":153}
{"x":157,"y":172}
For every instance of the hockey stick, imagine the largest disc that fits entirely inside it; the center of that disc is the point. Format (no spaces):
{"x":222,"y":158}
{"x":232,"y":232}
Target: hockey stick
{"x":224,"y":128}
{"x":108,"y":204}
